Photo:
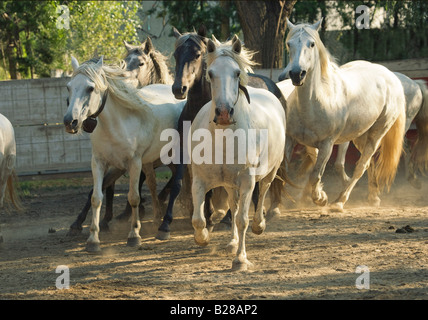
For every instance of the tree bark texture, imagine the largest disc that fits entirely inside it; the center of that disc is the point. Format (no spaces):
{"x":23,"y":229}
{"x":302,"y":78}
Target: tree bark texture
{"x":260,"y":21}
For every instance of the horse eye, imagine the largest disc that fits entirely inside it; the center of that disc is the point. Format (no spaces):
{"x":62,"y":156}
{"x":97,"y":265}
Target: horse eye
{"x":237,"y":73}
{"x":312,"y":44}
{"x":141,"y":64}
{"x":210,"y":74}
{"x":90,"y":89}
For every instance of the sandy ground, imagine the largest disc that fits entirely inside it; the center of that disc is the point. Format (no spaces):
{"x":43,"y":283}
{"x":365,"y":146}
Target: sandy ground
{"x":305,"y":253}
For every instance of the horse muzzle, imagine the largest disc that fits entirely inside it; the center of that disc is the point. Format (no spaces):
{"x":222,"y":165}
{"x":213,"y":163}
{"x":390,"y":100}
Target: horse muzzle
{"x":223,"y":116}
{"x":179,"y":91}
{"x":297,"y":78}
{"x":71,"y":125}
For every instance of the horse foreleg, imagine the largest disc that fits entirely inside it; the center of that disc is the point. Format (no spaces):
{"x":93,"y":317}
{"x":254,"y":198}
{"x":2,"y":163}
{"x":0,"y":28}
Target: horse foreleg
{"x":319,"y":197}
{"x":93,"y":242}
{"x":134,"y":238}
{"x":339,"y":164}
{"x":245,"y":192}
{"x":198,"y":218}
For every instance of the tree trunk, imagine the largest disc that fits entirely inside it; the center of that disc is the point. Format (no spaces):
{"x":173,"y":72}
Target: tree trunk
{"x":224,"y":27}
{"x":263,"y":24}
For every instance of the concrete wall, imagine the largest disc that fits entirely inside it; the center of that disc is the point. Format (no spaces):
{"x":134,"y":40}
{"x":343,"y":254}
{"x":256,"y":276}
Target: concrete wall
{"x":36,"y":109}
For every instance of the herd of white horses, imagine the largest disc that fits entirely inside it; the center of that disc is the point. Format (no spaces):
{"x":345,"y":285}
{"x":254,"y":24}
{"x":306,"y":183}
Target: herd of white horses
{"x":324,"y":105}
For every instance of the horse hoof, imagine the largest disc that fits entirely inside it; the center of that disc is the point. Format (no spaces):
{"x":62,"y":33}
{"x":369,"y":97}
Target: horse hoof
{"x":232,"y":247}
{"x":93,"y":247}
{"x":271,"y":214}
{"x":258,"y":228}
{"x":241,"y":265}
{"x":163,"y":235}
{"x":321,"y":202}
{"x":202,"y":237}
{"x":337,"y":207}
{"x":375,"y":202}
{"x":133,"y":242}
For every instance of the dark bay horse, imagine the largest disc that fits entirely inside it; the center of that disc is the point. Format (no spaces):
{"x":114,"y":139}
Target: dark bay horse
{"x":190,"y":82}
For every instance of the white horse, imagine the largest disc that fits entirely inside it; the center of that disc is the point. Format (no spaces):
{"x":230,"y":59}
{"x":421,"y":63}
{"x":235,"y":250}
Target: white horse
{"x":416,"y":94}
{"x":127,"y":135}
{"x":7,"y":165}
{"x":235,"y":112}
{"x":359,"y":101}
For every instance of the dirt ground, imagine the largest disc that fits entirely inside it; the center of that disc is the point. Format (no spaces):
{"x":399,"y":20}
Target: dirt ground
{"x":305,"y":253}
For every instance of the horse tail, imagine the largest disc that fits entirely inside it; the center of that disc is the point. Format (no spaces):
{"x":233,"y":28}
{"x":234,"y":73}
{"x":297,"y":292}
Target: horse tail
{"x":390,"y":151}
{"x":419,"y":155}
{"x":12,"y":191}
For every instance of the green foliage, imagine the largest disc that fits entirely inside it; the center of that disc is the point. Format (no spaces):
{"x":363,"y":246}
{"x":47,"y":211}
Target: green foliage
{"x":189,"y":15}
{"x":100,"y":27}
{"x":31,"y":42}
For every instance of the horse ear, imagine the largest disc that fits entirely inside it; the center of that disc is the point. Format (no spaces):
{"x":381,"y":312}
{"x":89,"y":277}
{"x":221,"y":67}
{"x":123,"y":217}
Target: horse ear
{"x":289,"y":24}
{"x":127,"y":45}
{"x":202,"y":32}
{"x":215,"y":39}
{"x":317,"y":25}
{"x":176,"y":33}
{"x":148,"y":45}
{"x":74,"y":63}
{"x":211,"y":47}
{"x":237,"y":46}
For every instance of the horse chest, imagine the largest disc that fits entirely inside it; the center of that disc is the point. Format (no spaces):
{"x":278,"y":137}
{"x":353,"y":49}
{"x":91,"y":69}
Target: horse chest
{"x":115,"y":152}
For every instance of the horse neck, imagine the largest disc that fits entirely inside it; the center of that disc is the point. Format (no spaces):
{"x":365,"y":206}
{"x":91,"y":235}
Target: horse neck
{"x":160,"y":73}
{"x":115,"y":116}
{"x":315,"y":91}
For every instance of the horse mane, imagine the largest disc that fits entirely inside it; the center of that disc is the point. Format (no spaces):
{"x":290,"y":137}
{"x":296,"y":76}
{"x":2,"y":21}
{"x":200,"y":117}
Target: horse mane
{"x":112,"y":78}
{"x":244,"y":59}
{"x":159,"y":70}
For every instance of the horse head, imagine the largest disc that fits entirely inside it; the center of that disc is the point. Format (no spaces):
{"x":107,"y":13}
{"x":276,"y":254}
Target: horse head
{"x":189,"y":51}
{"x":301,"y":45}
{"x":87,"y":94}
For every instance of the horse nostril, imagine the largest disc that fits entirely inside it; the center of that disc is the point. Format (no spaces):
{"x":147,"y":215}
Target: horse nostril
{"x":302,"y":74}
{"x":74,"y":124}
{"x":183,"y":89}
{"x":217,"y":111}
{"x":231,"y":111}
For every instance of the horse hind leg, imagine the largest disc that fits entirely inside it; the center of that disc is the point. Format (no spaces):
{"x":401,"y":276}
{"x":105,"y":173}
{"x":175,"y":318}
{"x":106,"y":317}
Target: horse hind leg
{"x":259,"y":221}
{"x":151,"y":182}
